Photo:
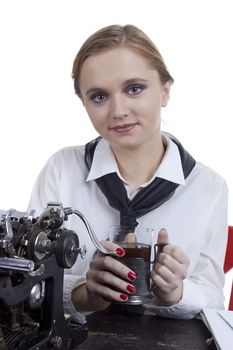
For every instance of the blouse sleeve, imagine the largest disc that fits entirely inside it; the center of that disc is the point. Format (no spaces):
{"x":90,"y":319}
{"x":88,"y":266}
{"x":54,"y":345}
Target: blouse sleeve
{"x":204,"y":285}
{"x":47,"y":189}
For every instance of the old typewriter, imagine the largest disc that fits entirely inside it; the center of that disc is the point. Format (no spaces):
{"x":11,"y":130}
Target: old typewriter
{"x":34,"y":251}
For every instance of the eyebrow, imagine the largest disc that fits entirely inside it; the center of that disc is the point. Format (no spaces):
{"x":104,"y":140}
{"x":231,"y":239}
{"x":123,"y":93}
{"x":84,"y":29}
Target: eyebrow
{"x":135,"y":80}
{"x":126,"y":82}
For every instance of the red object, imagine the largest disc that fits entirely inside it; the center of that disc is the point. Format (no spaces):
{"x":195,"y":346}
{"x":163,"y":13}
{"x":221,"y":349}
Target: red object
{"x":228,"y":264}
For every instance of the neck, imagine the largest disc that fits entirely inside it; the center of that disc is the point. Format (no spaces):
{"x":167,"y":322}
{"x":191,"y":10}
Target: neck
{"x":137,"y":166}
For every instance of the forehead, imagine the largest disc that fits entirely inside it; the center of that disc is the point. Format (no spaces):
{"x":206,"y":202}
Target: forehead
{"x":116,"y":64}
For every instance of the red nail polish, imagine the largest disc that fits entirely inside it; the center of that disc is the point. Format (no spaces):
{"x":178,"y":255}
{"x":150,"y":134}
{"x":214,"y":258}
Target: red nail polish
{"x":131,"y":289}
{"x":132,"y":275}
{"x":120,"y":251}
{"x":123,"y":297}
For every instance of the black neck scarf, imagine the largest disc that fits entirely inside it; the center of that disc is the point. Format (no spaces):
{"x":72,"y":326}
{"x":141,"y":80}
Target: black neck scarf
{"x":148,"y":198}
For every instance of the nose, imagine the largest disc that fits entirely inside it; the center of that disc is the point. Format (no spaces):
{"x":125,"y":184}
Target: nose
{"x":119,"y":108}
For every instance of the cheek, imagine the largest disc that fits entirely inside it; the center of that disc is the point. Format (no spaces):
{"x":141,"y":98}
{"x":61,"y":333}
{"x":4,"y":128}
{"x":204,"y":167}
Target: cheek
{"x":97,"y":117}
{"x":151,"y":108}
{"x":156,"y":103}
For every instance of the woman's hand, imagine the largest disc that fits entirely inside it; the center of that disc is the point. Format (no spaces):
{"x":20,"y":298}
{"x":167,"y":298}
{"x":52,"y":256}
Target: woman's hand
{"x":107,"y":280}
{"x":108,"y":277}
{"x":168,"y":272}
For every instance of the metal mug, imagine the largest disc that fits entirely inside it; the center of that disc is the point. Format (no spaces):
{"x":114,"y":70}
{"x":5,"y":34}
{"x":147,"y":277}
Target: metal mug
{"x":137,"y":244}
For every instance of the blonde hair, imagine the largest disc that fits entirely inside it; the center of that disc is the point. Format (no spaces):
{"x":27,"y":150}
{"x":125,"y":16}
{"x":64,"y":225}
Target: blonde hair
{"x":116,"y":35}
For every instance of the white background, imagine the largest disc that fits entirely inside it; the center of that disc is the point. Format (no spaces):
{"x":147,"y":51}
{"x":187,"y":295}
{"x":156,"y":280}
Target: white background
{"x":39,"y":112}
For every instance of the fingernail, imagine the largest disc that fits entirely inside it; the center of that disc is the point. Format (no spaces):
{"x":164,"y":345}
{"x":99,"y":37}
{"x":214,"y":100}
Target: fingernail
{"x":132,"y":275}
{"x":123,"y":297}
{"x":131,"y":289}
{"x":120,"y":251}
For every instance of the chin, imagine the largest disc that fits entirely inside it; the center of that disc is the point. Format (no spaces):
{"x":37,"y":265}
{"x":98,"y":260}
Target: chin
{"x":126,"y":144}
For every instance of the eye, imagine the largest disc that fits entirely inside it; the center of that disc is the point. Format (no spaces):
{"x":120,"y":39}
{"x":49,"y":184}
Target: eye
{"x":135,"y":89}
{"x":99,"y":97}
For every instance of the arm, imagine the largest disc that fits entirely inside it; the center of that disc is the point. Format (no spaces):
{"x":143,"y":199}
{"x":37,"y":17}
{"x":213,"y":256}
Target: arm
{"x":47,"y":188}
{"x":107,"y":279}
{"x":203,"y":286}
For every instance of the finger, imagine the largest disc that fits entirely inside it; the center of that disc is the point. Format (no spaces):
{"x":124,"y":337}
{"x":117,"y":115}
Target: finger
{"x":113,"y":247}
{"x":170,"y":263}
{"x":105,"y":292}
{"x":176,"y":253}
{"x":171,"y":271}
{"x":163,"y":236}
{"x":164,"y":285}
{"x":130,"y":238}
{"x":112,"y":281}
{"x":109,"y":263}
{"x":165,"y":280}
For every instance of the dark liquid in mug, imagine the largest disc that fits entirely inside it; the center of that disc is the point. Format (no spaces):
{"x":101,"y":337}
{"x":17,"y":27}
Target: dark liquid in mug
{"x":136,"y":250}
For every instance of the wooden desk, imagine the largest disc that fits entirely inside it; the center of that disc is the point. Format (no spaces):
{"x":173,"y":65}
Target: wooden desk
{"x":108,"y":330}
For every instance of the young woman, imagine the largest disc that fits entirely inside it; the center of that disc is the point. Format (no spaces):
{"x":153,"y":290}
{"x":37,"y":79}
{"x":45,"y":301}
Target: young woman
{"x":136,"y":174}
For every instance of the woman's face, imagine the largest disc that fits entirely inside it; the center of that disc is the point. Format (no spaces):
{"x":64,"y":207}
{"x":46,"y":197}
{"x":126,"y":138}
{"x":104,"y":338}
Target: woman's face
{"x":123,"y":97}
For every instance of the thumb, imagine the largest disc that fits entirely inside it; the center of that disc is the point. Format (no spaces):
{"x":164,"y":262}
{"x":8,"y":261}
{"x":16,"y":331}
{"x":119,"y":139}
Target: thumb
{"x":163,"y":236}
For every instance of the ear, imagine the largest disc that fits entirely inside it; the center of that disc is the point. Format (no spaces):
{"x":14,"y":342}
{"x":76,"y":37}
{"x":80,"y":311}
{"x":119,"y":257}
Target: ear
{"x":166,"y":93}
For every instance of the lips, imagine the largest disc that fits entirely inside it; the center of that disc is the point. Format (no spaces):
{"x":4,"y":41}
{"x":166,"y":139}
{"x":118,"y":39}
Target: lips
{"x":123,"y":128}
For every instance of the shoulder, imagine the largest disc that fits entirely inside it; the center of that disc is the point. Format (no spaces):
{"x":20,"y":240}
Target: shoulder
{"x":207,"y":178}
{"x":208,"y":173}
{"x":71,"y":154}
{"x":63,"y":161}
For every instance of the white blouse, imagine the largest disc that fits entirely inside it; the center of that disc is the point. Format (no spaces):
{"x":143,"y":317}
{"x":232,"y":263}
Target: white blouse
{"x":195,"y":217}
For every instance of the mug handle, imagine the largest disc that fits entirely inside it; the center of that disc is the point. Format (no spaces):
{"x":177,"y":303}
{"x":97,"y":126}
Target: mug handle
{"x":158,"y":248}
